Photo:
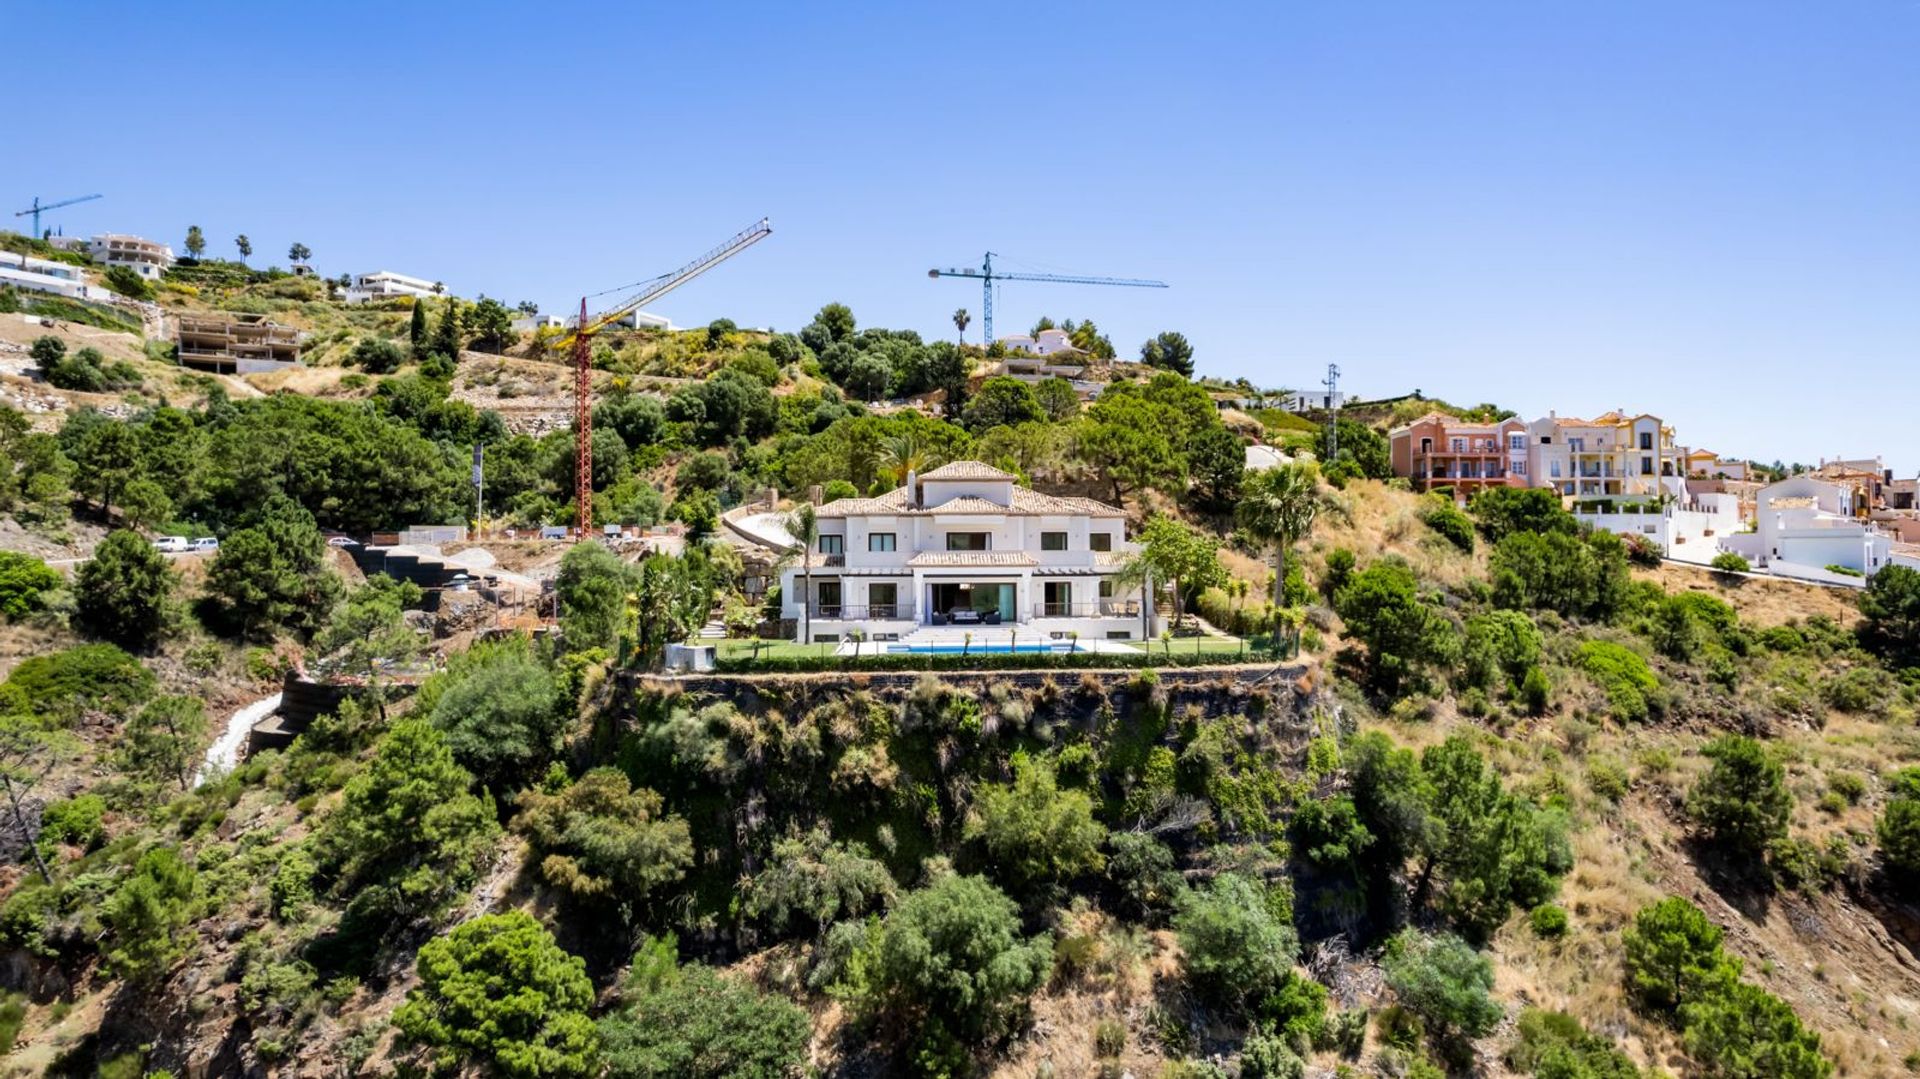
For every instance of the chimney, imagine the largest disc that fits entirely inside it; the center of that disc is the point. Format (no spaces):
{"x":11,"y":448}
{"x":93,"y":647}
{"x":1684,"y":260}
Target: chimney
{"x":814,"y":494}
{"x":913,"y":489}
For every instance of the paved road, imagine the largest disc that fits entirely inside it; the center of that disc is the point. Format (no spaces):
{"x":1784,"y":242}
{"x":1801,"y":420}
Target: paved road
{"x":68,"y":563}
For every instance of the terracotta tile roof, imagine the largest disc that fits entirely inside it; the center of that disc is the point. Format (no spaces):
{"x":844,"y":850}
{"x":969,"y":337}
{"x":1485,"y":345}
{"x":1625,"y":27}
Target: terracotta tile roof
{"x":1026,"y":503}
{"x":893,"y":502}
{"x":967,"y":504}
{"x":968,"y":470}
{"x":1013,"y":559}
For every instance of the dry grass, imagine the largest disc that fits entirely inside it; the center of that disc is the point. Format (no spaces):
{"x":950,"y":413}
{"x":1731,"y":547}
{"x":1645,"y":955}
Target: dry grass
{"x":1374,"y":520}
{"x":1760,"y":602}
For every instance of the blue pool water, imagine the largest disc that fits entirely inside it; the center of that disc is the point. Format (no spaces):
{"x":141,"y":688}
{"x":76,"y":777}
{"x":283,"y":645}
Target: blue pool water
{"x":955,"y":649}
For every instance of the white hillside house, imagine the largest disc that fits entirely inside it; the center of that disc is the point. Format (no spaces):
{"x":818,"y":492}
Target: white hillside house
{"x":963,"y":549}
{"x":1044,"y":343}
{"x":1803,"y":525}
{"x":386,"y":285}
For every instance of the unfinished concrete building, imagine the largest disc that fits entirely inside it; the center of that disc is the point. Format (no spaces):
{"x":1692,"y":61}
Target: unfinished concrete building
{"x":236,"y":344}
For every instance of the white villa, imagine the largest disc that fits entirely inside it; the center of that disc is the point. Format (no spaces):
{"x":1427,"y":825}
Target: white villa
{"x":1045,"y":343}
{"x":385,"y":285}
{"x":1804,"y":525}
{"x":44,"y":275}
{"x":963,"y":550}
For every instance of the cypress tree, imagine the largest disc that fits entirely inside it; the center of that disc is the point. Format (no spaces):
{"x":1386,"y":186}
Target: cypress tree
{"x":417,"y":331}
{"x":446,"y":337}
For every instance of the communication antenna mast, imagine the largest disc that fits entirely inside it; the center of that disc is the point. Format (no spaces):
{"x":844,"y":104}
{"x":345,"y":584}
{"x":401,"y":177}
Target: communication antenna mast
{"x":1332,"y":383}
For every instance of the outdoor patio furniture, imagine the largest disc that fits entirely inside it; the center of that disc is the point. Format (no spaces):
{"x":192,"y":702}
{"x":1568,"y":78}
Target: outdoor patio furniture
{"x":992,"y":618}
{"x":965,"y":616}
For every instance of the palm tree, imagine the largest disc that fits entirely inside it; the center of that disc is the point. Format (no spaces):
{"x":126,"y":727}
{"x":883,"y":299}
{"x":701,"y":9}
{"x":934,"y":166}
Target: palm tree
{"x":960,"y":321}
{"x":906,"y":453}
{"x":802,"y":525}
{"x":1277,"y":507}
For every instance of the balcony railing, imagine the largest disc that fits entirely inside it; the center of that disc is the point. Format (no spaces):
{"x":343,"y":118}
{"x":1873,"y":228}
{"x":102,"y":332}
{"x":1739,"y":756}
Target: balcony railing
{"x":1106,"y":608}
{"x":862,"y":611}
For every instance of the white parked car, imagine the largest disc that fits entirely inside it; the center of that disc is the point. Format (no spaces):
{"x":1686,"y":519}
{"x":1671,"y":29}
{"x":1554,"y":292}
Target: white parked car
{"x":342,"y":541}
{"x":206,"y":543}
{"x":171,"y":544}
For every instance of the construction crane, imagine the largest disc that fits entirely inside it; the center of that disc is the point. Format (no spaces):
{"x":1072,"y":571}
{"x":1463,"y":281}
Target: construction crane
{"x":581,"y":341}
{"x":37,"y":207}
{"x":988,"y":275}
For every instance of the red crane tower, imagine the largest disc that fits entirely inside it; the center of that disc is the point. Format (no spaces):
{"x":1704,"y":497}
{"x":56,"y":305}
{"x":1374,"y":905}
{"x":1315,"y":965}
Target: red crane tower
{"x":581,"y":341}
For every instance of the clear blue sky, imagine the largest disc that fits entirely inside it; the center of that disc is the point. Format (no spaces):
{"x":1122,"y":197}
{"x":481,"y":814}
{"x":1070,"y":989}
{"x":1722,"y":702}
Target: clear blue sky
{"x":1704,"y":210}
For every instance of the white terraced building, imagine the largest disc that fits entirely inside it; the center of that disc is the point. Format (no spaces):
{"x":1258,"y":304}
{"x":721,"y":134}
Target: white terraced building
{"x":964,"y":556}
{"x":386,"y":285}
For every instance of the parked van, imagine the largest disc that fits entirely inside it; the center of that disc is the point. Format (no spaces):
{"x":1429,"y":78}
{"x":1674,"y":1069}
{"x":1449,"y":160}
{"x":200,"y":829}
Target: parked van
{"x":206,"y":543}
{"x":171,"y":544}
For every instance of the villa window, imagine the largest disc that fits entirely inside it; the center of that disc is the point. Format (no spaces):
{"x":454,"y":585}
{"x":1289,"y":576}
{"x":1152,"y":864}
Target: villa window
{"x":880,"y":541}
{"x":967,"y":541}
{"x":833,"y":544}
{"x":1646,"y":466}
{"x":883,"y":600}
{"x":1106,"y":588}
{"x":1053,"y":541}
{"x":1516,"y":443}
{"x":1459,"y":445}
{"x":1646,"y":440}
{"x":1554,"y":467}
{"x":1100,"y":541}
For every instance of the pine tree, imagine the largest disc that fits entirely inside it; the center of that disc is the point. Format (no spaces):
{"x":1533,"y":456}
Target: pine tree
{"x":446,"y":336}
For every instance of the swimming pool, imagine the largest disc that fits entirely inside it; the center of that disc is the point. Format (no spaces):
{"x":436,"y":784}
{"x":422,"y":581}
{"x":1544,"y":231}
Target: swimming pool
{"x":977,"y":649}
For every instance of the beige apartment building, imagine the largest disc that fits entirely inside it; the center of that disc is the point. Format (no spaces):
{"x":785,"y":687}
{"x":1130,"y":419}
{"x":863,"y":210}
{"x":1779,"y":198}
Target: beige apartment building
{"x":1613,"y":455}
{"x":236,"y":344}
{"x":144,"y":257}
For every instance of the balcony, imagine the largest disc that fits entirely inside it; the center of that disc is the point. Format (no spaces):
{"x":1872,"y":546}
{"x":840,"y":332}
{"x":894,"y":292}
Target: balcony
{"x":1106,"y":608}
{"x":879,"y":612}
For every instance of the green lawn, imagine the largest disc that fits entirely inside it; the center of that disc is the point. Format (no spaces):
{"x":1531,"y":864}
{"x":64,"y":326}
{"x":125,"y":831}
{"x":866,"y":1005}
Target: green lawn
{"x":744,"y":648}
{"x":1225,"y":649}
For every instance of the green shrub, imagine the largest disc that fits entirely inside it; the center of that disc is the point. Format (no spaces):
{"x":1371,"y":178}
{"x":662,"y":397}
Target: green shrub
{"x":1440,"y":514}
{"x":1728,"y":562}
{"x":1553,"y":1045}
{"x":1536,"y":691}
{"x":1267,"y":1056}
{"x":693,"y":1023}
{"x":1444,"y":981}
{"x":1109,"y":1037}
{"x":1898,"y":829}
{"x":1633,"y":693}
{"x":79,"y":821}
{"x":1549,"y":920}
{"x":1746,"y":1032}
{"x":1863,"y":690}
{"x":25,"y":583}
{"x":498,"y":993}
{"x":1848,"y":785}
{"x":1238,"y":947}
{"x":1608,"y":778}
{"x":949,"y":966}
{"x":1576,"y":576}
